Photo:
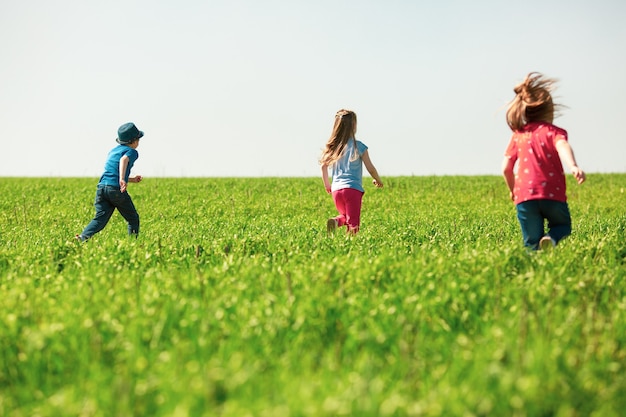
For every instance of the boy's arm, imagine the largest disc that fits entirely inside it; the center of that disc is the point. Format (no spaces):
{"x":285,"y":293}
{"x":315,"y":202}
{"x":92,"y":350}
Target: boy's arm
{"x":123,"y":166}
{"x":567,"y":155}
{"x":371,"y":169}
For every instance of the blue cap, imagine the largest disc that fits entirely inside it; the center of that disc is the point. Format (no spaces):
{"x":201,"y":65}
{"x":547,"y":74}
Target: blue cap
{"x":127,"y":133}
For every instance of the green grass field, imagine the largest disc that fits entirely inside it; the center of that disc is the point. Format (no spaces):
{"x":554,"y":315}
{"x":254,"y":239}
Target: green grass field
{"x":235,"y":302}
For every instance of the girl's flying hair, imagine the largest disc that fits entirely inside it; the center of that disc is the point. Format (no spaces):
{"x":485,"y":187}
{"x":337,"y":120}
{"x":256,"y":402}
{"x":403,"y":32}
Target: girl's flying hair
{"x":344,"y":129}
{"x":532,"y":102}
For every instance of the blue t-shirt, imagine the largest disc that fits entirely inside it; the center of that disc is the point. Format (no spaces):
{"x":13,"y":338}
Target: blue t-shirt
{"x":111,"y":174}
{"x":347,"y":172}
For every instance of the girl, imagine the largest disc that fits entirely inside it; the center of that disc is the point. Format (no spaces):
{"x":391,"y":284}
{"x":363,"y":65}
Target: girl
{"x":538,"y":186}
{"x":345,"y":156}
{"x":111,"y":192}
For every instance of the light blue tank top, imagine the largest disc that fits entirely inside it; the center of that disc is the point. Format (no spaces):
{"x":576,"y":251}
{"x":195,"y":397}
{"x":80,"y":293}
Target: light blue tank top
{"x":347,"y":172}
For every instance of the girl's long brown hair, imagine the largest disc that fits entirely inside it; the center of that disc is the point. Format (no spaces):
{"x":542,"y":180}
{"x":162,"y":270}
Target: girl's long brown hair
{"x":344,"y":129}
{"x":532,"y":102}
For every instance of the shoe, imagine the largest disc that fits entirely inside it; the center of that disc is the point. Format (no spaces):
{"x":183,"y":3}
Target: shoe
{"x":79,"y":238}
{"x":546,"y":243}
{"x":331,"y":225}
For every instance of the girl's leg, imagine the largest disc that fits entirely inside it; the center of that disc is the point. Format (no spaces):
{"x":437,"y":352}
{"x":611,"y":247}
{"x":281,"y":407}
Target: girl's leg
{"x":559,"y":220}
{"x":340,"y":203}
{"x":353,"y":199}
{"x":104,"y":211}
{"x":531,"y":222}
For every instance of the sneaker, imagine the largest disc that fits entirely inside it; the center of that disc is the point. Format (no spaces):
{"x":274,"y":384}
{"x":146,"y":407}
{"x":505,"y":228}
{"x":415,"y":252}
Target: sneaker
{"x":79,"y":238}
{"x":331,"y":225}
{"x":546,"y":243}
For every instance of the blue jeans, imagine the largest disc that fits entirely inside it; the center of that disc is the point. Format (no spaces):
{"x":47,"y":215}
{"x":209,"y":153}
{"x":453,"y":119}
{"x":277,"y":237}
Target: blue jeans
{"x":531,"y":215}
{"x":109,"y":198}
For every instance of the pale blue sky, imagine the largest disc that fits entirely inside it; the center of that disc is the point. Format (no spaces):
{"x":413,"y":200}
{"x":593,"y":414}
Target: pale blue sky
{"x":250,"y":87}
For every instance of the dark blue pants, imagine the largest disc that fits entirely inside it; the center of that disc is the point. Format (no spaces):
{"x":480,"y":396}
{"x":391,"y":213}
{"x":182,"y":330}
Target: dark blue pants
{"x":109,"y":198}
{"x":531,"y":215}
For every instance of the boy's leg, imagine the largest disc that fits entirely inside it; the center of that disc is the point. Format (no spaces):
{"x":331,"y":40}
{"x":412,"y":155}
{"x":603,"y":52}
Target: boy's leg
{"x":104,"y":211}
{"x":124,"y":204}
{"x":531,"y":223}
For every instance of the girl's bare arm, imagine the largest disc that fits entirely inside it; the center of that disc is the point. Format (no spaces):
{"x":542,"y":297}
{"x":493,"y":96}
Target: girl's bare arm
{"x":325,"y":178}
{"x":567,"y":155}
{"x":371,"y":169}
{"x":509,"y":175}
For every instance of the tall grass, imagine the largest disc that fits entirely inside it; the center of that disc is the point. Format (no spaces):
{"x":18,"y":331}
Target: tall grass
{"x":234,"y":301}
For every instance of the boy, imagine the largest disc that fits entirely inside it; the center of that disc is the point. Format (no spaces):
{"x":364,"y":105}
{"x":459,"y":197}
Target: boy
{"x":111,"y":192}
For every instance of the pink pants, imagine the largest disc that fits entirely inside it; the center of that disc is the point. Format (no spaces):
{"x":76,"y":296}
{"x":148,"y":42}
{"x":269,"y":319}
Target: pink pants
{"x":348,"y":203}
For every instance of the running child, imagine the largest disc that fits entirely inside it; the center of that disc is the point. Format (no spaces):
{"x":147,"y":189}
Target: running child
{"x":345,"y":156}
{"x":538,"y":147}
{"x":111,"y":192}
